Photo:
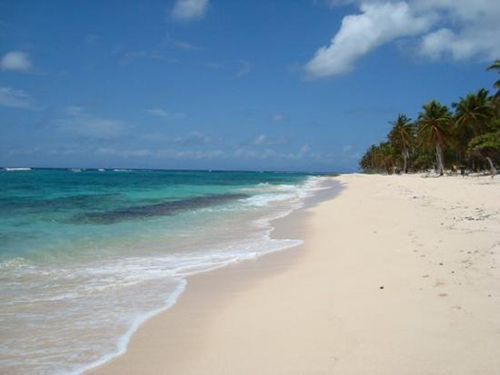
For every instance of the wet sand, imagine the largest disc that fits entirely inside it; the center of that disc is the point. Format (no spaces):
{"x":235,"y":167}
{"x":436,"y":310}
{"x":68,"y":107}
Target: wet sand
{"x":397,"y":275}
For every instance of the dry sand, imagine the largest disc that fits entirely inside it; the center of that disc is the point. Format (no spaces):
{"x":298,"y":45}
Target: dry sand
{"x":398,"y":275}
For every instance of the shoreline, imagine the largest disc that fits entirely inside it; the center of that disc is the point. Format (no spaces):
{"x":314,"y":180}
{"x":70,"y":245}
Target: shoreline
{"x":274,"y":232}
{"x":330,"y":302}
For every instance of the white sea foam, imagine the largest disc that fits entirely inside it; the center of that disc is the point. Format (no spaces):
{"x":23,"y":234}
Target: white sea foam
{"x":9,"y":169}
{"x":186,"y":266}
{"x":125,"y":291}
{"x":124,"y":340}
{"x":240,"y":250}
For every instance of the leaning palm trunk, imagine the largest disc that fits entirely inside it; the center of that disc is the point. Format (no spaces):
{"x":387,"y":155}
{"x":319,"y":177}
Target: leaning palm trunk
{"x":492,"y":167}
{"x":439,"y":157}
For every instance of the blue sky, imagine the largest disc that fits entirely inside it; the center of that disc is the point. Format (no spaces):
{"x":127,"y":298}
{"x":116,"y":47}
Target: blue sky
{"x":220,"y":84}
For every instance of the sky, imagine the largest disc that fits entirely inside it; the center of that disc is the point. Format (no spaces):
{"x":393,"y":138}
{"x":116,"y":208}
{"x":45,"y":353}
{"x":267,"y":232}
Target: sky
{"x":300,"y":85}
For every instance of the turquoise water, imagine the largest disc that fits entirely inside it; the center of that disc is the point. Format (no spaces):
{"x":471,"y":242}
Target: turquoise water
{"x":87,"y":255}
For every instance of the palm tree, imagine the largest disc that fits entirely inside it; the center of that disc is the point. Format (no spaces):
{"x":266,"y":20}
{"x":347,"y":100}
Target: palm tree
{"x":401,"y":138}
{"x":384,"y":157}
{"x":434,"y":130}
{"x":496,"y":66}
{"x":378,"y":158}
{"x":472,"y":115}
{"x":368,"y":162}
{"x":496,"y":97}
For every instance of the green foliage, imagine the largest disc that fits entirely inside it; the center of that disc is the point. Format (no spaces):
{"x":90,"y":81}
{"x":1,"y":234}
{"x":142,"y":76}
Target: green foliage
{"x":435,"y":130}
{"x":496,"y":97}
{"x":496,"y":66}
{"x":473,"y":113}
{"x":468,"y":137}
{"x":378,"y":159}
{"x":472,"y":116}
{"x":486,"y":145}
{"x":434,"y":125}
{"x":401,"y":137}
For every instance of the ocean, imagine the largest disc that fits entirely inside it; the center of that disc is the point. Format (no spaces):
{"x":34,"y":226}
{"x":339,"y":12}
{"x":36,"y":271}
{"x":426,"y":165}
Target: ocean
{"x":87,"y":255}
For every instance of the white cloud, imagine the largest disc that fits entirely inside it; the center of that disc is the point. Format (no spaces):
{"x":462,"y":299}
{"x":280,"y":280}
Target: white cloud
{"x":277,"y":117}
{"x":111,"y":151}
{"x":183,"y":45}
{"x":458,"y":10}
{"x":80,"y":122}
{"x":14,"y":98}
{"x":130,"y":56}
{"x":454,"y":29}
{"x":473,"y":30}
{"x":177,"y":43}
{"x":192,"y":154}
{"x":186,"y":10}
{"x":260,"y":140}
{"x":16,"y":61}
{"x":336,"y":3}
{"x":264,"y":140}
{"x":378,"y":23}
{"x":193,"y":138}
{"x":303,"y":154}
{"x":346,"y":149}
{"x":304,"y":150}
{"x":245,"y":68}
{"x":158,"y":112}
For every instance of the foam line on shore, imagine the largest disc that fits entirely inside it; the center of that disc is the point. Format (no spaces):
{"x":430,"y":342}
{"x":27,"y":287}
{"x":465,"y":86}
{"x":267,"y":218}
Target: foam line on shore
{"x":307,"y":191}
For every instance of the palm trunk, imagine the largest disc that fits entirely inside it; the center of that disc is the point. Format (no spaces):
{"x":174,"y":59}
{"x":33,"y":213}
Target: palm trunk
{"x":439,"y":157}
{"x":405,"y":164}
{"x":492,"y":167}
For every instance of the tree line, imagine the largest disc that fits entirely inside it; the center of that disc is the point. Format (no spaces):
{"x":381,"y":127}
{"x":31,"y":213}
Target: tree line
{"x":465,"y":137}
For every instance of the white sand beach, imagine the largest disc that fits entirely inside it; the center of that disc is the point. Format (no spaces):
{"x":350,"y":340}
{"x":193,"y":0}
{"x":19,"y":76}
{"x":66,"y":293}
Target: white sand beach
{"x":397,"y":275}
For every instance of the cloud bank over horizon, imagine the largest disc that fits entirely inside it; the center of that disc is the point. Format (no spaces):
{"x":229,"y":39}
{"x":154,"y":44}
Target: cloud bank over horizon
{"x":212,"y":84}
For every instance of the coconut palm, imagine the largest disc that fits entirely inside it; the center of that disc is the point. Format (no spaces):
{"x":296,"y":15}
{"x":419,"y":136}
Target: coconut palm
{"x":401,"y":138}
{"x":434,"y":130}
{"x":496,"y":97}
{"x":384,"y":157}
{"x":378,"y":158}
{"x":472,"y":133}
{"x":496,"y":66}
{"x":472,"y":115}
{"x":368,"y":162}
